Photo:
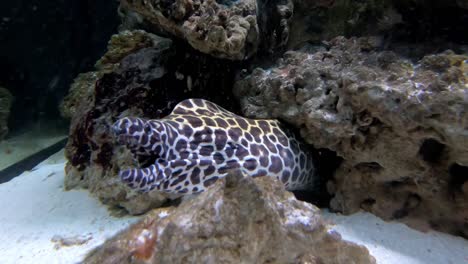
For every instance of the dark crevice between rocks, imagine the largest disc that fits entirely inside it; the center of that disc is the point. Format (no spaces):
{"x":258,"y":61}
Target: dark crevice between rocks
{"x":397,"y":184}
{"x":458,"y":177}
{"x":369,"y":166}
{"x":412,"y":201}
{"x":439,"y":20}
{"x":367,"y":204}
{"x":226,"y":2}
{"x":272,"y":28}
{"x":326,"y":161}
{"x":431,"y":150}
{"x":211,"y":78}
{"x":452,"y":227}
{"x":439,"y":25}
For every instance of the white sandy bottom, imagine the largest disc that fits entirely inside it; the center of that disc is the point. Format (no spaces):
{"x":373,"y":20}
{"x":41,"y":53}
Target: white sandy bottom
{"x":36,"y":214}
{"x":21,"y":146}
{"x":392,"y":242}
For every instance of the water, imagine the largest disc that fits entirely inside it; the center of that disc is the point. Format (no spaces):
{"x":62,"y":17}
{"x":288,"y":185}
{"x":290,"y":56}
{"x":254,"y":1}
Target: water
{"x":376,"y":89}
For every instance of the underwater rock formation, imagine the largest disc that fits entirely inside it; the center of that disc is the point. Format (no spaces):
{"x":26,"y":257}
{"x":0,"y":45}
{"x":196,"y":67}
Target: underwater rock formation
{"x":120,"y":45}
{"x":142,"y":75}
{"x":400,"y":127}
{"x":5,"y":106}
{"x":224,"y":29}
{"x":227,"y":29}
{"x":93,"y":103}
{"x":238,"y":220}
{"x":398,"y":124}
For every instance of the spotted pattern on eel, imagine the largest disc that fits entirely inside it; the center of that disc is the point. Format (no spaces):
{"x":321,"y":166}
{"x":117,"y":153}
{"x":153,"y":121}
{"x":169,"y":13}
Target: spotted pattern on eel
{"x":200,"y":142}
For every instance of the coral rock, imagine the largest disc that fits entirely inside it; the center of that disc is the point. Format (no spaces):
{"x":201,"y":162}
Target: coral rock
{"x":120,"y":46}
{"x":224,"y":29}
{"x":401,"y":128}
{"x":94,"y":101}
{"x":237,"y":220}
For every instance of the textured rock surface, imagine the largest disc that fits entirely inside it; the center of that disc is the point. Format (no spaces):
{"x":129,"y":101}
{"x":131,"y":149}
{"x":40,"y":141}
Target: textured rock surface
{"x":237,"y":220}
{"x":401,"y":127}
{"x":5,"y":107}
{"x":224,"y":29}
{"x":94,"y":101}
{"x":80,"y":91}
{"x":119,"y":46}
{"x":142,"y":75}
{"x":228,"y":29}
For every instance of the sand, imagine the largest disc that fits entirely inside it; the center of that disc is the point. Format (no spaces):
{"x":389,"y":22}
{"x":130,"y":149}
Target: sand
{"x":37,"y":217}
{"x":42,"y":223}
{"x":392,"y":242}
{"x":21,"y":146}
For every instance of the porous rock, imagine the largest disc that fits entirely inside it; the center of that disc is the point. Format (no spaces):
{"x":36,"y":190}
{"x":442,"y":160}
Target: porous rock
{"x":400,"y":126}
{"x":93,"y":103}
{"x":119,"y":46}
{"x":6,"y":100}
{"x":224,"y":29}
{"x":142,"y":75}
{"x":228,"y":29}
{"x":237,"y":220}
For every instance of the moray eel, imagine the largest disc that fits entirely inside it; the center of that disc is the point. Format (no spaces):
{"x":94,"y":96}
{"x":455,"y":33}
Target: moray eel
{"x":200,"y":142}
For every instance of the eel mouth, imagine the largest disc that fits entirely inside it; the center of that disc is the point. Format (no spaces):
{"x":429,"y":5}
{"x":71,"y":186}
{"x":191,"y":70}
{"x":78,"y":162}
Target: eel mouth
{"x":145,"y":161}
{"x":120,"y":130}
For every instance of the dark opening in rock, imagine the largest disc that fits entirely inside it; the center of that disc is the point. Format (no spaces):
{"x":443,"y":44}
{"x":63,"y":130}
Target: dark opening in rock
{"x":420,"y":21}
{"x":400,"y":213}
{"x":226,"y":2}
{"x":367,"y":204}
{"x":327,"y":162}
{"x":413,"y":201}
{"x":431,"y":150}
{"x":369,"y":166}
{"x":458,"y":176}
{"x":404,"y":181}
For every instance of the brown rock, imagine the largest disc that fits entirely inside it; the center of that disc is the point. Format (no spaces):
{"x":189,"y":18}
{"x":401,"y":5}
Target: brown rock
{"x":401,"y":127}
{"x":238,"y":220}
{"x":224,"y":30}
{"x":92,"y":160}
{"x":119,"y":46}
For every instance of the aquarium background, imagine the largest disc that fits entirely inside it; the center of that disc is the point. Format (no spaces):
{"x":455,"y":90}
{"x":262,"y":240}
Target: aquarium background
{"x":378,"y":89}
{"x":43,"y":46}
